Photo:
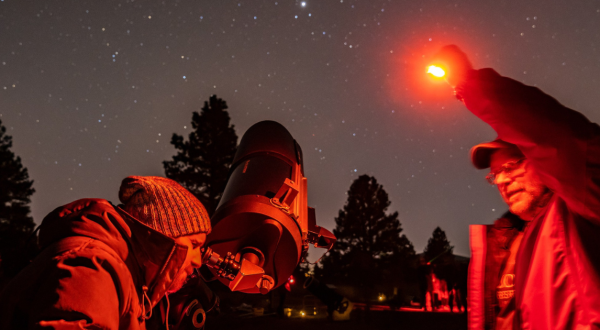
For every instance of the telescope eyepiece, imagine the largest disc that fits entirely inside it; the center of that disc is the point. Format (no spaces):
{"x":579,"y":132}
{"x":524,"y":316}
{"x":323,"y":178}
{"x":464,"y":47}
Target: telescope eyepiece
{"x":225,"y":267}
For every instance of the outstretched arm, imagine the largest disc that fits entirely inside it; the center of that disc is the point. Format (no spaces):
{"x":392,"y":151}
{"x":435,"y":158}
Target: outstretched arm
{"x":562,"y":144}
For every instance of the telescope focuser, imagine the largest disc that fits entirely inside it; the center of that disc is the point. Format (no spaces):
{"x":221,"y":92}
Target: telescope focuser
{"x":225,"y":267}
{"x":244,"y":275}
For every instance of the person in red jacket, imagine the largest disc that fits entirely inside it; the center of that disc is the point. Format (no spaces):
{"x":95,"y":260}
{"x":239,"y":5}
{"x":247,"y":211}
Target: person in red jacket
{"x":546,"y":165}
{"x":106,"y":267}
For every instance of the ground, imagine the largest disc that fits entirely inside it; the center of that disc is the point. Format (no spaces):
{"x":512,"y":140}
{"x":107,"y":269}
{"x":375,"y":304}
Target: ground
{"x":359,"y":320}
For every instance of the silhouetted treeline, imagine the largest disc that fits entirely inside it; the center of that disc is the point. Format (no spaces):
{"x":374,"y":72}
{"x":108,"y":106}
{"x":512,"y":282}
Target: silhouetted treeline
{"x":17,"y":246}
{"x":373,"y":256}
{"x":371,"y":250}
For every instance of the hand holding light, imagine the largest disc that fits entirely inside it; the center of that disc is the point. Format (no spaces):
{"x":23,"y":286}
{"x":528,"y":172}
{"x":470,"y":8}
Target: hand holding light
{"x":452,"y":64}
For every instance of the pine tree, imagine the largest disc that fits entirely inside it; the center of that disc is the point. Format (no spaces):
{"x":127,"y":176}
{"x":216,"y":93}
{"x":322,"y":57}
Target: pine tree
{"x":438,"y":253}
{"x":368,"y":238}
{"x":16,"y":225}
{"x":202,"y":162}
{"x":438,"y":249}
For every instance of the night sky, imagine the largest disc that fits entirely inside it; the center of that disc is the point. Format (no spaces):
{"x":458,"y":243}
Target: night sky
{"x":92,"y":91}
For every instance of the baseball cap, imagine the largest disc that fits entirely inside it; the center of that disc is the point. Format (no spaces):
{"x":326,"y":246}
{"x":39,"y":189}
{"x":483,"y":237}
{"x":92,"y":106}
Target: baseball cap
{"x":481,"y":154}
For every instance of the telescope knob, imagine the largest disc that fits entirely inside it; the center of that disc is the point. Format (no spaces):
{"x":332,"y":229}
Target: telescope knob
{"x":266,"y":284}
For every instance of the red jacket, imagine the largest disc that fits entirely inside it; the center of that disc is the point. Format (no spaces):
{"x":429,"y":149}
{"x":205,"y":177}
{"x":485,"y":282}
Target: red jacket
{"x":558,"y":263}
{"x":92,"y":273}
{"x":490,"y":246}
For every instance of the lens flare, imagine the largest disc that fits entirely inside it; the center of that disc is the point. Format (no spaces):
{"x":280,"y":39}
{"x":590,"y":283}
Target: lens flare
{"x":436,"y":71}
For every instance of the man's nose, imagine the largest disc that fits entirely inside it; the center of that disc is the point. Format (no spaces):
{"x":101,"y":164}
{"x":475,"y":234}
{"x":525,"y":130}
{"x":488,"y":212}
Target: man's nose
{"x":502,"y":178}
{"x":197,"y":259}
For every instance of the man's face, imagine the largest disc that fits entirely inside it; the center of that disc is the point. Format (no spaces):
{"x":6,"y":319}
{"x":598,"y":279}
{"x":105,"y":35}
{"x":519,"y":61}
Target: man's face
{"x":520,"y":186}
{"x":193,"y":259}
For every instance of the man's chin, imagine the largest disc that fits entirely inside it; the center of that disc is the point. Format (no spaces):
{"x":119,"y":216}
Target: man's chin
{"x":177,"y":284}
{"x":521,"y":209}
{"x":174,"y":288}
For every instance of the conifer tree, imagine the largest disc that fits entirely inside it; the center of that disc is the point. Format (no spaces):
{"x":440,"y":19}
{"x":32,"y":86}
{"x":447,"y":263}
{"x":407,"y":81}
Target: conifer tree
{"x":438,"y":254}
{"x":369,"y":240}
{"x":438,"y":248}
{"x":202,"y":162}
{"x":16,"y":225}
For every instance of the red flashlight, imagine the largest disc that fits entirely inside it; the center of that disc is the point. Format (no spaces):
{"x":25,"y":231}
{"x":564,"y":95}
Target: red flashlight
{"x":436,"y":71}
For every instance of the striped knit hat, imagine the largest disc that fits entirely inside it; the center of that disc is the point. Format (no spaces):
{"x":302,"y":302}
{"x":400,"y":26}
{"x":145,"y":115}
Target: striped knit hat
{"x":164,"y":205}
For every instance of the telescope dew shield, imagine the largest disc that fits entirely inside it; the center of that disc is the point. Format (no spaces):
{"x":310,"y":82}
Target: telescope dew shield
{"x":262,"y":226}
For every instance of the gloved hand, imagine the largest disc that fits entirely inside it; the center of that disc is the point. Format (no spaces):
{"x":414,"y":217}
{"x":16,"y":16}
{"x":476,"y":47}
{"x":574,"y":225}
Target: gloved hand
{"x":455,"y":62}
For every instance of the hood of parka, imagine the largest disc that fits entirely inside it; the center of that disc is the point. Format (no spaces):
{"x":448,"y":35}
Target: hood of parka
{"x":153,"y":258}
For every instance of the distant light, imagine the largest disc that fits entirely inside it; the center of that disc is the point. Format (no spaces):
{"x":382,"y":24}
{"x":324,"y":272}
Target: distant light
{"x":436,"y":71}
{"x":184,"y":77}
{"x":303,"y":4}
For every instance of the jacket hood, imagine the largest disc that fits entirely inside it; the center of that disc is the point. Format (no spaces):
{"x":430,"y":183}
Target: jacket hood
{"x":153,"y":258}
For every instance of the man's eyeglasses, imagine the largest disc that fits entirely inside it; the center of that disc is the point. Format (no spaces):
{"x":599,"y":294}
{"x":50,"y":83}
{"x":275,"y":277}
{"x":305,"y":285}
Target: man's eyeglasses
{"x":506,"y":169}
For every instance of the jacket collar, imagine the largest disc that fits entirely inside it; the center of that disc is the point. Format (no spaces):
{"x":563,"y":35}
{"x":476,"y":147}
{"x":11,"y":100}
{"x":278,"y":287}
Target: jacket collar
{"x":509,"y":221}
{"x":505,"y":229}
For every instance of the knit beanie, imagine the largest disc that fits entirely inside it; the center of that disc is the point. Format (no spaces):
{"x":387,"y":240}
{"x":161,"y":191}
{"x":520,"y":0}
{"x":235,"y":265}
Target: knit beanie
{"x":164,"y":205}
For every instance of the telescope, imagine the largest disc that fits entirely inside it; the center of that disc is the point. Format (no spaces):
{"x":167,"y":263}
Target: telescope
{"x":262,"y":227}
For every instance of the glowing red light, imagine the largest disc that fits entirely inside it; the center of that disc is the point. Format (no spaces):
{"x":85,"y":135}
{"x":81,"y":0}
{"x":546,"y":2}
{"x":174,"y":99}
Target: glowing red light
{"x":436,"y":71}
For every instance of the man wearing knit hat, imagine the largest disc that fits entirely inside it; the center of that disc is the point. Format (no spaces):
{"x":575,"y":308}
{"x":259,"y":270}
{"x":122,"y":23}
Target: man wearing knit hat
{"x":539,"y":267}
{"x":106,"y":267}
